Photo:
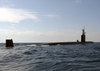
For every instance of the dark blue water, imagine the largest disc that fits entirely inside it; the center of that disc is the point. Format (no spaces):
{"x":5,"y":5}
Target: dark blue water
{"x":31,"y":57}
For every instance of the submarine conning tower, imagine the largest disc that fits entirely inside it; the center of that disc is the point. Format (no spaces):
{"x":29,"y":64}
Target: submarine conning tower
{"x":9,"y":43}
{"x":83,"y":36}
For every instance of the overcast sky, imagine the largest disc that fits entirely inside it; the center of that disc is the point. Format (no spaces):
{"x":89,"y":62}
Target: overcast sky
{"x":49,"y":20}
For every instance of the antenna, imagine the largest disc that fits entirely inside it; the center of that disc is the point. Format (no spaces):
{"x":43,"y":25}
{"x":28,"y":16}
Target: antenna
{"x":84,"y":28}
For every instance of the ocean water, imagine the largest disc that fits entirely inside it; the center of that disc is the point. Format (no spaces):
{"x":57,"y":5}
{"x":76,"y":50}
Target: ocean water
{"x":31,"y":57}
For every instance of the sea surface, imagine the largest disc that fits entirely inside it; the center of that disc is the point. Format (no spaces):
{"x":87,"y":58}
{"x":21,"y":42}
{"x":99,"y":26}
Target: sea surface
{"x":36,"y":57}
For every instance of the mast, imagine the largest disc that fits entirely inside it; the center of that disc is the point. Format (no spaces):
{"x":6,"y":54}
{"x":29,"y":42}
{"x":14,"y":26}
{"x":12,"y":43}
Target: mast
{"x":83,"y":31}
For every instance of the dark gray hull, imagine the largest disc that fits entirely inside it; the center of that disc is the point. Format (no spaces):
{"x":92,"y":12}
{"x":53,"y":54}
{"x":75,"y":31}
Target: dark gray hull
{"x":67,"y":43}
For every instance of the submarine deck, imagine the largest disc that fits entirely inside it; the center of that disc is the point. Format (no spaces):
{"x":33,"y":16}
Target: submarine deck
{"x":67,"y":43}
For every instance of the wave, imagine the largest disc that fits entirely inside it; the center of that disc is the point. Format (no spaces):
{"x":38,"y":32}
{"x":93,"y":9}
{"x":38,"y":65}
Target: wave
{"x":31,"y":57}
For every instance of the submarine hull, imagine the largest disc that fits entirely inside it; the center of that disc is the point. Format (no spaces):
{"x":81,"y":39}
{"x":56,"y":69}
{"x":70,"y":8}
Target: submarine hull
{"x":67,"y":43}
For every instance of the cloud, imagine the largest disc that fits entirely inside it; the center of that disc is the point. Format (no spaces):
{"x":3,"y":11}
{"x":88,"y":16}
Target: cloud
{"x":50,"y":36}
{"x":77,"y":1}
{"x":36,"y":36}
{"x":50,"y":15}
{"x":6,"y":1}
{"x":16,"y":15}
{"x":12,"y":25}
{"x":11,"y":5}
{"x":94,"y":36}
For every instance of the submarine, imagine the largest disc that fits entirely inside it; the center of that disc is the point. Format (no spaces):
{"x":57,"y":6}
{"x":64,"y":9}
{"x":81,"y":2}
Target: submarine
{"x":83,"y":41}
